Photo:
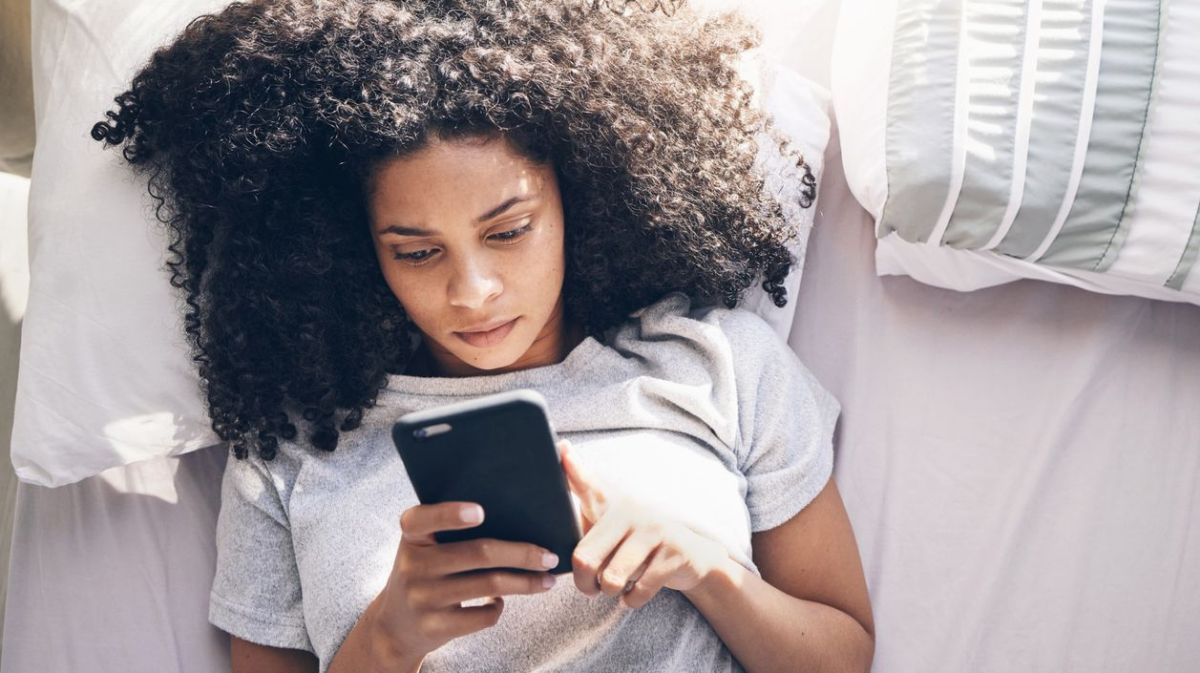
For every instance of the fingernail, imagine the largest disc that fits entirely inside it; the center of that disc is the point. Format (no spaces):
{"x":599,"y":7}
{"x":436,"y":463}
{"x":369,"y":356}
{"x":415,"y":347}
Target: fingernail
{"x":472,"y":514}
{"x":549,"y":560}
{"x":548,"y":581}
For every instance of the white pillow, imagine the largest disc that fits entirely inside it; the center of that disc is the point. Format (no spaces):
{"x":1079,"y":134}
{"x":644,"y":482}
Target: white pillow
{"x":800,"y":110}
{"x":1053,"y":139}
{"x":106,"y":378}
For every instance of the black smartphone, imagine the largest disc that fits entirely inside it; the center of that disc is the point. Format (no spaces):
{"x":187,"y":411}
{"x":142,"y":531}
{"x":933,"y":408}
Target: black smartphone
{"x":499,"y":451}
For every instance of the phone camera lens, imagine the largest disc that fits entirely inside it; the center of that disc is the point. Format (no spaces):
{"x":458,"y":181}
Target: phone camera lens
{"x":431,"y":430}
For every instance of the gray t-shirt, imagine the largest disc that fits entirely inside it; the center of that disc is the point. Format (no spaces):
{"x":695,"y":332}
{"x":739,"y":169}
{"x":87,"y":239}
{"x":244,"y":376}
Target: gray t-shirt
{"x":704,"y":412}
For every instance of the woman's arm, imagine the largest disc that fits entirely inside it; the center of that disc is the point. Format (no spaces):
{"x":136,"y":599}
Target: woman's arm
{"x":248,"y":657}
{"x":420,"y":607}
{"x":810,"y":610}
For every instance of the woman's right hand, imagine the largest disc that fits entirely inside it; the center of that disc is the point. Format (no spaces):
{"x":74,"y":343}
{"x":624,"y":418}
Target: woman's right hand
{"x":419,"y":609}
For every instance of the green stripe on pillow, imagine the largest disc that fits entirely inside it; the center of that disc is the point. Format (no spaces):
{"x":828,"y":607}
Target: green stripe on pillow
{"x":1059,"y":95}
{"x":1092,"y":233}
{"x":995,"y":37}
{"x":920,"y":116}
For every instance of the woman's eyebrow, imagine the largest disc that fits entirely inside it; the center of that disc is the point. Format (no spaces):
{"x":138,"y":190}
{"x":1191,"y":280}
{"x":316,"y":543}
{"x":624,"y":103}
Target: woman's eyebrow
{"x":503,"y":207}
{"x":494,"y":212}
{"x":404,"y":231}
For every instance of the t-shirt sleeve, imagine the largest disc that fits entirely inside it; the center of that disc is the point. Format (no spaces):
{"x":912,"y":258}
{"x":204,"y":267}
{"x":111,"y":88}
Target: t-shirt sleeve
{"x":256,"y":590}
{"x":786,"y":421}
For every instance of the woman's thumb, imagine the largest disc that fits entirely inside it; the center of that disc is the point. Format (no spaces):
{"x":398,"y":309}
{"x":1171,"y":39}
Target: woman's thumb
{"x":582,"y":483}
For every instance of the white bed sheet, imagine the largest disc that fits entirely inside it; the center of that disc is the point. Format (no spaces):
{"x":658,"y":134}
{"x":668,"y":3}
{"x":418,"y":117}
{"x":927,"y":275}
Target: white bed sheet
{"x":1021,"y":465}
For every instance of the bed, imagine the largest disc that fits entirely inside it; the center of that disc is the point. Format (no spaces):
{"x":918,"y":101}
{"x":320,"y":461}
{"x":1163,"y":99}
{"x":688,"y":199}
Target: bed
{"x":1021,"y":465}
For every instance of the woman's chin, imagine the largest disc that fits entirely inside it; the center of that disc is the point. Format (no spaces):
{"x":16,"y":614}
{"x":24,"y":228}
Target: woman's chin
{"x":489,"y":360}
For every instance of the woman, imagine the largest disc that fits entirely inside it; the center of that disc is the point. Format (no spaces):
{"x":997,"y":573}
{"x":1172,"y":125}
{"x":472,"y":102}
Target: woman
{"x":383,"y":206}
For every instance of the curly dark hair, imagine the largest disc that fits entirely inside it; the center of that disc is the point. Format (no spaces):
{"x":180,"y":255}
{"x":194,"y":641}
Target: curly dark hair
{"x":260,"y":126}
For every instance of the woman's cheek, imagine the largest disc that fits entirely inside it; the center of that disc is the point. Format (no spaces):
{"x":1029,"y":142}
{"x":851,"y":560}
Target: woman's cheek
{"x":550,"y":253}
{"x":415,"y":296}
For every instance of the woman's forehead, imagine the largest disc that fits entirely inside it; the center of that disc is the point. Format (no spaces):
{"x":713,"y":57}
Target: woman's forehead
{"x":460,"y":178}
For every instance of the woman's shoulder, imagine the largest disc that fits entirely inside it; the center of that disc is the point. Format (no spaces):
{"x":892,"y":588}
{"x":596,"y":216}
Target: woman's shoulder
{"x":677,"y":314}
{"x":679,"y":334}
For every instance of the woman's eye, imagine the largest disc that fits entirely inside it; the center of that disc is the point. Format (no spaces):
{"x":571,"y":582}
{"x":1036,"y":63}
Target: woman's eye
{"x":511,"y":234}
{"x":416,"y":257}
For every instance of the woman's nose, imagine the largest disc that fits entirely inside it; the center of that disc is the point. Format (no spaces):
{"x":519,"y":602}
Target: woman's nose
{"x":473,"y":284}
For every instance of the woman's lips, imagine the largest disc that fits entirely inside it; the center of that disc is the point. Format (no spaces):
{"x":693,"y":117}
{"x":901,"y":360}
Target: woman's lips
{"x":488,"y":338}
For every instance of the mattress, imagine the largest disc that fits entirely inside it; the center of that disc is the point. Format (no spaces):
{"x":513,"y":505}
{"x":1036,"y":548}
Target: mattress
{"x":1021,"y":464}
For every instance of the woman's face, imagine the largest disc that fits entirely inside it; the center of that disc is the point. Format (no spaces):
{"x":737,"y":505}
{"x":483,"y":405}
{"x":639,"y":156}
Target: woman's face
{"x":469,"y":236}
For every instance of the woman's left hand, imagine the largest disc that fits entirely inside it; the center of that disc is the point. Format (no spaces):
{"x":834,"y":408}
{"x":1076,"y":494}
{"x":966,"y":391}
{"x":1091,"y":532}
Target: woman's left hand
{"x":631,"y":549}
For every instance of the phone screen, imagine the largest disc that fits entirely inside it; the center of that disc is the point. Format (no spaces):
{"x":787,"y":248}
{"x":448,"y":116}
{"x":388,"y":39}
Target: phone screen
{"x":498,"y":451}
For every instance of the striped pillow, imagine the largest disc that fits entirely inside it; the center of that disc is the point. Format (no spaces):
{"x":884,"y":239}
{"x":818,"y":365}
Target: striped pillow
{"x":1053,"y":139}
